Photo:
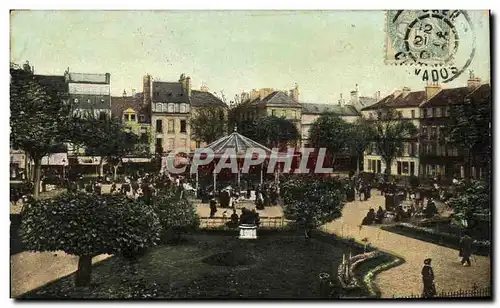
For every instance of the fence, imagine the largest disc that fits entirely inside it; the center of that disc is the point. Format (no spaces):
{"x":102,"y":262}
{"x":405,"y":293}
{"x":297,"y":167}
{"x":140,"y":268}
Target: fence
{"x":265,"y":221}
{"x":475,"y":292}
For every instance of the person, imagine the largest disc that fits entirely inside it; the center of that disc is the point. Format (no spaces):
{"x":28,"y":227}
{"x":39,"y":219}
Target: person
{"x":256,"y":217}
{"x":213,"y":207}
{"x":431,"y":209}
{"x":380,"y":215}
{"x":428,"y":279}
{"x":260,"y":201}
{"x":466,"y":249}
{"x":113,"y":188}
{"x":234,"y":218}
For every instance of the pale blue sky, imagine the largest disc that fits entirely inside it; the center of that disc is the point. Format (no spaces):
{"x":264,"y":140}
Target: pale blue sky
{"x":325,"y":52}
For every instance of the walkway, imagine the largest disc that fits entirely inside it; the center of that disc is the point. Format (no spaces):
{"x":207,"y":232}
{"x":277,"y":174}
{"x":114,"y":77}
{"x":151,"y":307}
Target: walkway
{"x":406,"y":279}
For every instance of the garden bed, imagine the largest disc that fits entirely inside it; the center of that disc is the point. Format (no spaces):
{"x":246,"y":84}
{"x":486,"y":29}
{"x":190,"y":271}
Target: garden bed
{"x":434,"y":236}
{"x":284,"y":265}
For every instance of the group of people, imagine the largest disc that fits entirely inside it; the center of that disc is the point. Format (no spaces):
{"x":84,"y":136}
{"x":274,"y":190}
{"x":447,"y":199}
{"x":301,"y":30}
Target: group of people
{"x":266,"y":194}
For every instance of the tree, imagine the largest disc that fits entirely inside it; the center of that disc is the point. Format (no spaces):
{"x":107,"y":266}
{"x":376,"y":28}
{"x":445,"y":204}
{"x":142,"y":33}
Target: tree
{"x":177,"y":215}
{"x":86,"y":225}
{"x":208,"y":125}
{"x":469,"y":127}
{"x":361,"y":134}
{"x":37,"y":120}
{"x":105,"y":137}
{"x":390,"y":133}
{"x":313,"y":201}
{"x":275,"y":132}
{"x":331,"y":132}
{"x":472,"y":198}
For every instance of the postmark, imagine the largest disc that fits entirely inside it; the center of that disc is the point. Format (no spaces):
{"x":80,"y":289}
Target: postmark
{"x":440,"y":44}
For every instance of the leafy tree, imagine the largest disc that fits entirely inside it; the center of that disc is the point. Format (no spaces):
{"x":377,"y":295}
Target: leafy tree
{"x":177,"y":215}
{"x":208,"y":125}
{"x":330,"y":131}
{"x":313,"y":201}
{"x":275,"y":131}
{"x":390,"y":133}
{"x":361,"y":134}
{"x":87,"y":225}
{"x":470,"y":127}
{"x":472,"y":198}
{"x":37,"y":120}
{"x":105,"y":137}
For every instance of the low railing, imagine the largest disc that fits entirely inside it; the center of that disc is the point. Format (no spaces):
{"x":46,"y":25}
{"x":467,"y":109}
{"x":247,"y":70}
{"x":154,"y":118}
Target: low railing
{"x":475,"y":292}
{"x":265,"y":221}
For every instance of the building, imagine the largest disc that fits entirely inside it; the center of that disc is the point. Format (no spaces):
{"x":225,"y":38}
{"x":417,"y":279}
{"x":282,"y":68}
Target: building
{"x":135,"y":116}
{"x":170,"y":111}
{"x":205,"y":100}
{"x":360,"y":102}
{"x":438,"y":158}
{"x":406,"y":103}
{"x":89,"y":92}
{"x":311,"y":112}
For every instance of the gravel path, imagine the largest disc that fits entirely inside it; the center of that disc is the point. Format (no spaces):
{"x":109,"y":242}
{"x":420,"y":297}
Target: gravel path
{"x":406,"y":279}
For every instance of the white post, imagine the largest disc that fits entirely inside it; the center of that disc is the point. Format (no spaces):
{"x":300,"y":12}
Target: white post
{"x":215,"y":182}
{"x":261,"y":174}
{"x":197,"y":180}
{"x":239,"y":180}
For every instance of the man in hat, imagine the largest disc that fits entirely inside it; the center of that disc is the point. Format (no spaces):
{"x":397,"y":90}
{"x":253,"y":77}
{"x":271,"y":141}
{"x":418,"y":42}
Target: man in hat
{"x":466,"y":249}
{"x":428,"y":279}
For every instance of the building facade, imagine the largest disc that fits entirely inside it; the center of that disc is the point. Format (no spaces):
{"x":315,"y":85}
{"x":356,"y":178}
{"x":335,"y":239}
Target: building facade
{"x":89,"y":93}
{"x":170,"y":112}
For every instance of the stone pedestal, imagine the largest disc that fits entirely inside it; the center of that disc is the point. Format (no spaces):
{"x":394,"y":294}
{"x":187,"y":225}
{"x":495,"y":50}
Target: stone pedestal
{"x":248,"y":232}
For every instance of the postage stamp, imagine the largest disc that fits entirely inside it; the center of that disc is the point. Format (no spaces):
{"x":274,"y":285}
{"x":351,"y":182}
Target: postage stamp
{"x":421,"y":37}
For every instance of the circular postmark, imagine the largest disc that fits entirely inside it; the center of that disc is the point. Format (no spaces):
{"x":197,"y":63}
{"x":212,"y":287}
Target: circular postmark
{"x":439,"y":43}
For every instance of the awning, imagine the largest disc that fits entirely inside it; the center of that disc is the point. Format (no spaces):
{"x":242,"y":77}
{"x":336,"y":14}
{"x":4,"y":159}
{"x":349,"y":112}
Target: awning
{"x":56,"y":159}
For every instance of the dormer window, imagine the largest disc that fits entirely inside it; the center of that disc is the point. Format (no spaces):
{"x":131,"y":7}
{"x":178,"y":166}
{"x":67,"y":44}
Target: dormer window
{"x":169,"y":93}
{"x":142,"y":118}
{"x":132,"y":117}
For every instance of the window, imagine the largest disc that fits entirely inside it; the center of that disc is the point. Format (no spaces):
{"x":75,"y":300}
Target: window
{"x":434,"y":112}
{"x":125,"y":117}
{"x":132,"y":117}
{"x":170,"y":108}
{"x":183,"y":126}
{"x":438,"y":112}
{"x":273,"y":112}
{"x":429,"y":112}
{"x":400,"y":114}
{"x":171,"y":124}
{"x":413,"y":149}
{"x":370,"y":116}
{"x":158,"y":107}
{"x":159,"y":126}
{"x":413,"y":114}
{"x":169,"y":94}
{"x":433,"y":133}
{"x":142,"y":118}
{"x":159,"y":145}
{"x":412,"y":168}
{"x":369,"y":165}
{"x":424,"y":132}
{"x":294,"y":114}
{"x":379,"y":166}
{"x":177,"y":108}
{"x":406,"y":167}
{"x":88,"y":100}
{"x":183,"y":108}
{"x":102,"y":115}
{"x":424,"y":113}
{"x":374,"y":165}
{"x":399,"y":168}
{"x":183,"y":143}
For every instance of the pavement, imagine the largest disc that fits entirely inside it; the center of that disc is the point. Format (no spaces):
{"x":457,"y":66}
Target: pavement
{"x":406,"y":279}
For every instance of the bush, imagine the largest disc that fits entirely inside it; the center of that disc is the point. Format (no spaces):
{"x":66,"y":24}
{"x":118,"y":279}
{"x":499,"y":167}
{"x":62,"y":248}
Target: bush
{"x":87,"y":225}
{"x":312,"y":200}
{"x":176,"y":215}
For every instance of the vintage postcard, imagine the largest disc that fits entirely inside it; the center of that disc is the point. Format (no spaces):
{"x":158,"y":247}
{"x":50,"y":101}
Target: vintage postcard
{"x":260,"y":154}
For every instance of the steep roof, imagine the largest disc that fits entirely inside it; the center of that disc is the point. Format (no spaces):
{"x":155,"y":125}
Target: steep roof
{"x":169,"y":92}
{"x":121,"y":103}
{"x":278,"y":99}
{"x":483,"y":93}
{"x":346,"y":110}
{"x":448,"y":96}
{"x":235,"y":141}
{"x":87,"y":78}
{"x":206,"y":99}
{"x":399,"y":100}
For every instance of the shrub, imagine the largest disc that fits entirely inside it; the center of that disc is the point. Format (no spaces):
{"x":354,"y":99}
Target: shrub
{"x":177,"y":215}
{"x":87,"y":225}
{"x":313,"y":201}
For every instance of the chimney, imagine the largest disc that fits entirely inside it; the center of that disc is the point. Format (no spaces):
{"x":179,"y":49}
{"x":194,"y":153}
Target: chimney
{"x":377,"y":95}
{"x":341,"y":100}
{"x":146,"y":89}
{"x":431,"y":90}
{"x":204,"y":88}
{"x":108,"y":78}
{"x":406,"y":91}
{"x":295,"y":92}
{"x":473,"y":81}
{"x":124,"y":93}
{"x":186,"y":84}
{"x":133,"y":93}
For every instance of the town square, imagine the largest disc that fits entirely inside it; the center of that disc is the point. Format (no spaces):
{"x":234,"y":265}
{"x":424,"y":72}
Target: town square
{"x":318,"y":155}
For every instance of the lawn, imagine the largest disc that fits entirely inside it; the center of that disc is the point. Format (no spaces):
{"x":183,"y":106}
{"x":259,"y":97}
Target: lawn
{"x":211,"y":265}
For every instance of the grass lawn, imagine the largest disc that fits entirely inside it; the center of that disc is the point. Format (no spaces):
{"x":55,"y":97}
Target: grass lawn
{"x":208,"y":265}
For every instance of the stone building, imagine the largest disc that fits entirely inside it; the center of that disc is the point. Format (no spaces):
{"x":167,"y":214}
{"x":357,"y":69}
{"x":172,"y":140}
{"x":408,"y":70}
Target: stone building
{"x":89,"y":92}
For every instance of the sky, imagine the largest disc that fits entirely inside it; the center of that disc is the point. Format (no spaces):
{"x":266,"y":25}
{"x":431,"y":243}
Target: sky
{"x":325,"y":52}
